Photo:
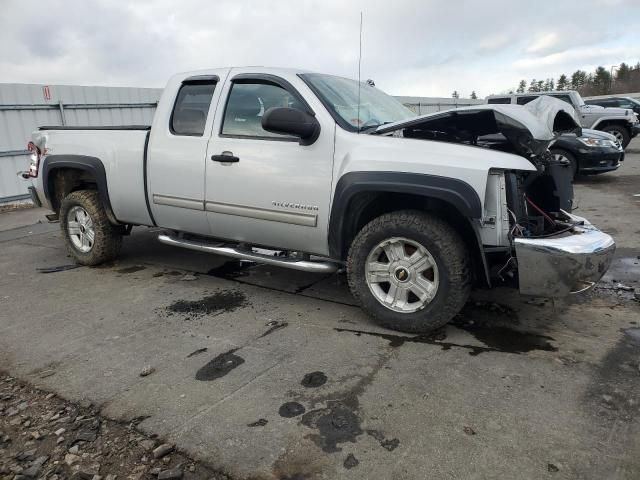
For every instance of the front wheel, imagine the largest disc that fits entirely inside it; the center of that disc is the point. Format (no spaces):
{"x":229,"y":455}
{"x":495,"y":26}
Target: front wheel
{"x":90,"y":238}
{"x":564,"y":156}
{"x":621,"y":134}
{"x":410,"y":271}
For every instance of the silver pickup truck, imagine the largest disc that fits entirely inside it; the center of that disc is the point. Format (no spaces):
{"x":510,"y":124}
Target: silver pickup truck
{"x":328,"y":173}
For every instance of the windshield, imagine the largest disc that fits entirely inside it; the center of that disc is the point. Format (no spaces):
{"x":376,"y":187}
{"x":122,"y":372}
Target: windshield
{"x":340,"y":96}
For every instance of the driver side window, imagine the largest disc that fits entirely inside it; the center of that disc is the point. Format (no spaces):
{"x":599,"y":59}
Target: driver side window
{"x":246,"y":105}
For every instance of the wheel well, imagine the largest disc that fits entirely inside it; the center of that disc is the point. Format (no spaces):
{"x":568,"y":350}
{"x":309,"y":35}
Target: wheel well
{"x":613,"y":123}
{"x":64,"y":180}
{"x":366,"y":206}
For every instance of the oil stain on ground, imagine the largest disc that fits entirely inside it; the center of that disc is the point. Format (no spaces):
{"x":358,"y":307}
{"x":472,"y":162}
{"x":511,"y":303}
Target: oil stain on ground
{"x":495,"y":336}
{"x":291,"y":409}
{"x":225,"y":301}
{"x":336,"y":424}
{"x":219,"y":366}
{"x":314,"y":380}
{"x":233,"y":269}
{"x":133,"y":269}
{"x":430,"y":339}
{"x":387,"y":444}
{"x":496,"y":339}
{"x":172,"y":273}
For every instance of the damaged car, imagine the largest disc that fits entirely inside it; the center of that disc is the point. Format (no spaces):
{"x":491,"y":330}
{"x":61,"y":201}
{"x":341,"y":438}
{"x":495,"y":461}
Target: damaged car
{"x":319,"y":173}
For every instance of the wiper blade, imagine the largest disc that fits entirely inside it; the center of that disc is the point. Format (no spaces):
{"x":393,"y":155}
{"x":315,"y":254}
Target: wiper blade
{"x":371,"y":128}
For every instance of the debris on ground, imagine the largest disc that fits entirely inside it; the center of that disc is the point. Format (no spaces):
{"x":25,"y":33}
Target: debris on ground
{"x":147,"y":370}
{"x":351,"y":461}
{"x":59,"y":268}
{"x":43,"y":436}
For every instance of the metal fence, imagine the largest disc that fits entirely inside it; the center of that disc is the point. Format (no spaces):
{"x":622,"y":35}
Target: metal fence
{"x":23,"y":108}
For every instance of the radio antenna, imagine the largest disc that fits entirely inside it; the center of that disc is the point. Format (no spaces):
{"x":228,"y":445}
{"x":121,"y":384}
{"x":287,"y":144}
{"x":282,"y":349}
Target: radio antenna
{"x":359,"y":63}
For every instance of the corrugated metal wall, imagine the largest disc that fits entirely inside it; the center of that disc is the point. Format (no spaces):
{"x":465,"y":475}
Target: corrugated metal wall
{"x":23,"y":108}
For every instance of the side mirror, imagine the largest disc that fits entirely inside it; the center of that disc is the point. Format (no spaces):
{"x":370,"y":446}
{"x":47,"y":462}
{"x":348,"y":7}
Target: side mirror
{"x":291,"y":121}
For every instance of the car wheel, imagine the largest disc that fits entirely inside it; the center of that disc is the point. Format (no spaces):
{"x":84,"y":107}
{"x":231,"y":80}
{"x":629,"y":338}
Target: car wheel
{"x":621,"y":134}
{"x":89,"y":236}
{"x":409,"y":271}
{"x":564,"y":156}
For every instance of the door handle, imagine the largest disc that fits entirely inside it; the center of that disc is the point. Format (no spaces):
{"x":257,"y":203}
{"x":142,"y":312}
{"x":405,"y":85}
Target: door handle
{"x":225,"y":157}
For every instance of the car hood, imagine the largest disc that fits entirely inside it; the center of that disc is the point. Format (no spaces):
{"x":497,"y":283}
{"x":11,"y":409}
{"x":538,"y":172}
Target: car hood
{"x":529,"y":128}
{"x":599,"y":134}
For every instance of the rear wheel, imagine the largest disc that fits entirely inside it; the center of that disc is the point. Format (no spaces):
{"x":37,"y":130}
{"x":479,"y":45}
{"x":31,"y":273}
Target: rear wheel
{"x":89,"y":236}
{"x":621,"y":134}
{"x":564,"y":156}
{"x":410,"y":271}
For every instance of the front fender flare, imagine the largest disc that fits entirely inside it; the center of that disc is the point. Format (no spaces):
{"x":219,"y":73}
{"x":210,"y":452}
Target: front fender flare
{"x":456,"y":192}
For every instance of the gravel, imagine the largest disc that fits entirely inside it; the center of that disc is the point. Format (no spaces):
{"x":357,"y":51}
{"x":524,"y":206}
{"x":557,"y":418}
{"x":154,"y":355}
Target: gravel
{"x":45,"y":437}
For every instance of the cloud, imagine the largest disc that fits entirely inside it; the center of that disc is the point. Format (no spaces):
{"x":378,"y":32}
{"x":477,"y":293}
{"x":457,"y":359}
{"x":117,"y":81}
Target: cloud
{"x":544,"y":43}
{"x":420,"y":47}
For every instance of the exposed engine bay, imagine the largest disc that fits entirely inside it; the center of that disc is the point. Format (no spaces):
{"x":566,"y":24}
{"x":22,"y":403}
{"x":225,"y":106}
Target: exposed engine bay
{"x":536,"y":200}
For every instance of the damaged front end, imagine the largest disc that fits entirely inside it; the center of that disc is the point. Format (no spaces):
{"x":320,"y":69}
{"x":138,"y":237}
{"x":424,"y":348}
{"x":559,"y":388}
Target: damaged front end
{"x":544,"y":249}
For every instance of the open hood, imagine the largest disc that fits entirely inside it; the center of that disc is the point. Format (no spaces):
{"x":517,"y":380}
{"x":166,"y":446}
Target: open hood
{"x":529,"y":129}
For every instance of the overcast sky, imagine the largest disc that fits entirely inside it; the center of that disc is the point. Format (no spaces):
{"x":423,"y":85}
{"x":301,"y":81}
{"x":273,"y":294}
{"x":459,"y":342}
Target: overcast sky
{"x":410,"y":47}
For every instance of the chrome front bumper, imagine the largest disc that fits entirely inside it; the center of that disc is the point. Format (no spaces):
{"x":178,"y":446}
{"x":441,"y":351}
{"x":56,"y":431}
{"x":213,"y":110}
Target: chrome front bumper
{"x":557,"y":266}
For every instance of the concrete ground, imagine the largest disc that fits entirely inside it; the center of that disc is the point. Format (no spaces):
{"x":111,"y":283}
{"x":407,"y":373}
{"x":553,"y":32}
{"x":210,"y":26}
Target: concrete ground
{"x":272,"y":374}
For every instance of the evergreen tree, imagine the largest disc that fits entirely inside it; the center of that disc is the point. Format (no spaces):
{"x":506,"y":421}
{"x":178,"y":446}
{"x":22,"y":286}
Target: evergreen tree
{"x":533,"y":86}
{"x":578,"y":79}
{"x":562,"y":82}
{"x":522,"y":86}
{"x":455,"y":94}
{"x":623,"y":72}
{"x":546,"y":87}
{"x":540,"y":86}
{"x":552,"y":84}
{"x":473,"y":95}
{"x":602,"y":81}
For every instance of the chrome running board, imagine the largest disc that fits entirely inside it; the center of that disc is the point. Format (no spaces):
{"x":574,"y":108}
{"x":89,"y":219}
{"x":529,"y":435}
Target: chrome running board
{"x":316,"y":266}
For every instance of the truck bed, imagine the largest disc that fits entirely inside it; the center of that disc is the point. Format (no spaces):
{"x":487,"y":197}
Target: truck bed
{"x":122,"y":151}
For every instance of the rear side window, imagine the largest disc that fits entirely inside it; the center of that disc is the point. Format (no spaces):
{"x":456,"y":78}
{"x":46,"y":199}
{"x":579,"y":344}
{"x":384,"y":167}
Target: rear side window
{"x":501,"y":100}
{"x":564,"y":98}
{"x":190,"y":111}
{"x":527,"y":99}
{"x":248,"y":100}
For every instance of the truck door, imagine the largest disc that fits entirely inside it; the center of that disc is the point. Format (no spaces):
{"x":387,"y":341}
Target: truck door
{"x":176,"y":157}
{"x":264,"y":188}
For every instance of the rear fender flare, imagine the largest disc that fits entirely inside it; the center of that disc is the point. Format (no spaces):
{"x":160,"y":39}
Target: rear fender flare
{"x":86,"y":163}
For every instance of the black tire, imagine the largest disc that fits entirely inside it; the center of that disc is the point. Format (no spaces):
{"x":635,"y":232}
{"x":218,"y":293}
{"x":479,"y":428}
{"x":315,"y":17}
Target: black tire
{"x":620,"y":133}
{"x":445,"y":246}
{"x":575,"y":168}
{"x":107,"y":237}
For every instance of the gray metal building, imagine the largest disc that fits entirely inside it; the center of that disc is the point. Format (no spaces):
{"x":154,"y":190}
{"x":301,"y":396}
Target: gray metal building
{"x":25,"y":107}
{"x":424,"y":105}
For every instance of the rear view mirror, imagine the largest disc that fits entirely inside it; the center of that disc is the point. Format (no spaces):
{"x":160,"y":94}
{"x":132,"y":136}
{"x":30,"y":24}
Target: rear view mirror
{"x":291,"y":121}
